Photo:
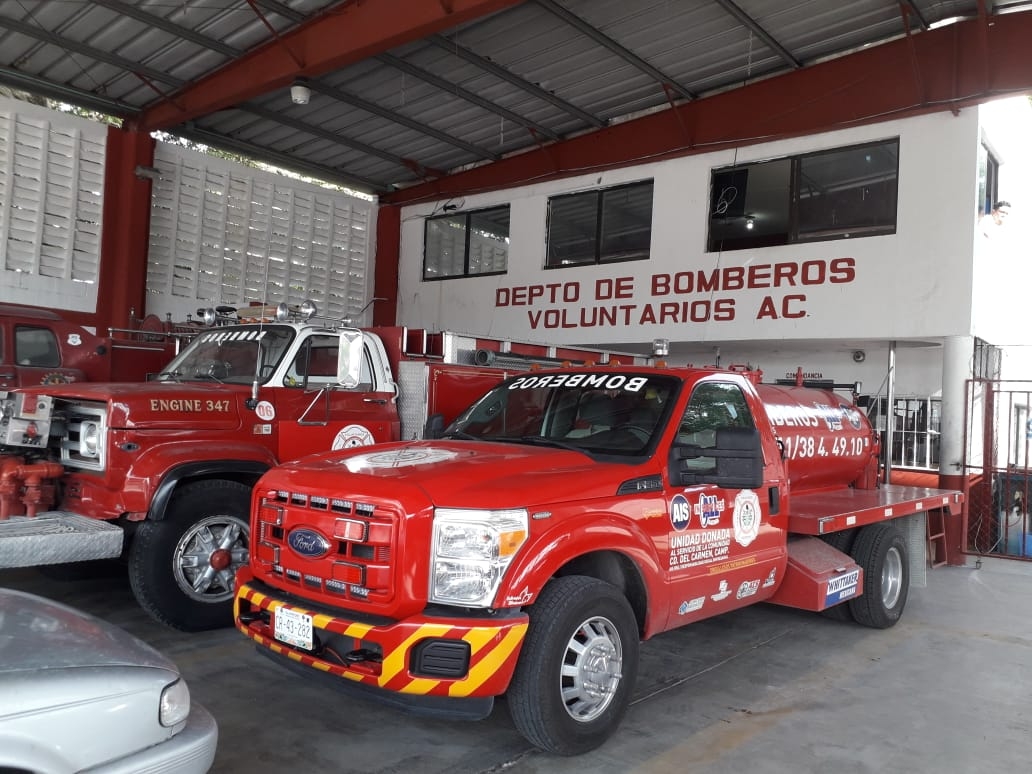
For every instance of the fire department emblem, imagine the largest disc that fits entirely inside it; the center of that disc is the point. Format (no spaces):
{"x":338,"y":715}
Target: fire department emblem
{"x":352,"y":436}
{"x":74,"y":340}
{"x":402,"y":458}
{"x":746,"y":519}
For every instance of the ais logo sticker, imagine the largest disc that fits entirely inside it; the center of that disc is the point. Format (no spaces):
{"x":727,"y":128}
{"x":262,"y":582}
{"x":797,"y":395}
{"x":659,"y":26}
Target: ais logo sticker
{"x":680,"y":512}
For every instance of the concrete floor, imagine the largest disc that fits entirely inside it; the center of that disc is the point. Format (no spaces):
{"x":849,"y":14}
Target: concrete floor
{"x":767,"y":689}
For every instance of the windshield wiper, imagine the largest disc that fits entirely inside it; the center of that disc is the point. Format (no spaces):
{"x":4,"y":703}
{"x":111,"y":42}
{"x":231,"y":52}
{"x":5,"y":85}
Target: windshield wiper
{"x":169,"y":376}
{"x":461,"y":435}
{"x":540,"y":440}
{"x":212,"y":377}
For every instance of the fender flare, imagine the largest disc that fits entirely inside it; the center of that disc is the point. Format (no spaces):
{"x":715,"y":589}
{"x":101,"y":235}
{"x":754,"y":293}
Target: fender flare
{"x":578,"y":536}
{"x":237,"y":469}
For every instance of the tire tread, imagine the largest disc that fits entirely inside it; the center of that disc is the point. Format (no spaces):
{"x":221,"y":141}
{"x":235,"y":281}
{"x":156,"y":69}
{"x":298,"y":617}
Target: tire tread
{"x":532,"y":684}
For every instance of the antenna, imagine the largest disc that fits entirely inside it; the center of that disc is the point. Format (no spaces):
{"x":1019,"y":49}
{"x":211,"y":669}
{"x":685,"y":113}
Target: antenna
{"x":252,"y":402}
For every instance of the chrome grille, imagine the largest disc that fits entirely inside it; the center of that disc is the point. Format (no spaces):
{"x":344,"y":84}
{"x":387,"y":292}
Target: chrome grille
{"x":79,"y":417}
{"x":358,"y":564}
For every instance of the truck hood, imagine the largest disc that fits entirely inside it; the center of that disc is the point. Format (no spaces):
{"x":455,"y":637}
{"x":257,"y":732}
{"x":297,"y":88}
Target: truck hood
{"x":471,"y":474}
{"x":159,"y":404}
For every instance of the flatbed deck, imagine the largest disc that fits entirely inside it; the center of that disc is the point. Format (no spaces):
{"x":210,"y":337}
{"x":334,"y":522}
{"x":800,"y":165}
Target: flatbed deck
{"x":820,"y":513}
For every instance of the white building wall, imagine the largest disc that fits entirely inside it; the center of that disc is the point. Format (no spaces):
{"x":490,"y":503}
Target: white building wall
{"x":911,"y":285}
{"x":1003,"y":263}
{"x":51,"y":198}
{"x":222,"y":233}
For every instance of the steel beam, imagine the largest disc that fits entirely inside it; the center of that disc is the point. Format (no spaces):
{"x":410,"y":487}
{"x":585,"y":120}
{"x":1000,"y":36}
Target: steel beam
{"x":453,"y":48}
{"x":960,"y":65}
{"x":575,"y":21}
{"x":768,"y":39}
{"x":341,"y":36}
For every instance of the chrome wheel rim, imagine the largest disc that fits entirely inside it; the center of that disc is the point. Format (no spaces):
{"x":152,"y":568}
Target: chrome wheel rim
{"x":892,"y":578}
{"x":207,"y":557}
{"x":592,"y":669}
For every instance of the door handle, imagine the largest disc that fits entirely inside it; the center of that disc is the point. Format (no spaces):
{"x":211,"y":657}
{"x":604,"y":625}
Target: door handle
{"x":377,"y":401}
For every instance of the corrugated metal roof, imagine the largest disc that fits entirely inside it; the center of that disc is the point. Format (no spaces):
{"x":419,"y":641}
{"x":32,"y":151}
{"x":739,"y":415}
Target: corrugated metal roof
{"x":530,"y":73}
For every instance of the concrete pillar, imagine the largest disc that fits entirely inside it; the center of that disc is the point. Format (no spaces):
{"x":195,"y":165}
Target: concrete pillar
{"x":956,"y":370}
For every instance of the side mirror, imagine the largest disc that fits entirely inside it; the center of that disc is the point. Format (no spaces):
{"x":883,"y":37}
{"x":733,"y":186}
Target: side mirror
{"x":349,"y":358}
{"x":434,"y":427}
{"x":737,"y":461}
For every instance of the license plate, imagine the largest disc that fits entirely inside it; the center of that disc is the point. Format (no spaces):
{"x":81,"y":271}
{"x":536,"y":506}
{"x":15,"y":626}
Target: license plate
{"x":293,"y":628}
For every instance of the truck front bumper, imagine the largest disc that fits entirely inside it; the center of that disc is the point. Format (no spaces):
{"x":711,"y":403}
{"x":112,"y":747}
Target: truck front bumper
{"x":435,"y":665}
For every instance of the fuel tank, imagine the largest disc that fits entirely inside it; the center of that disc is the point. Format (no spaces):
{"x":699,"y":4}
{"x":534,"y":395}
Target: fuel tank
{"x":827,"y":442}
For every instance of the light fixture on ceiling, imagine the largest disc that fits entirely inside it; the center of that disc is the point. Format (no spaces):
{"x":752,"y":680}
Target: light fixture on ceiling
{"x":299,"y":92}
{"x":750,"y":222}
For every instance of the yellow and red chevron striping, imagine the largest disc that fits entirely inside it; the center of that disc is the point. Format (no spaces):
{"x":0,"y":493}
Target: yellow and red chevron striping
{"x":494,"y":649}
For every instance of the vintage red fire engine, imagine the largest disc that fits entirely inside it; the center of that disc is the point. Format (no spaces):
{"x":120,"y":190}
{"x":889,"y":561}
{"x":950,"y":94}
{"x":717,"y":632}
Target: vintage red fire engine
{"x":567,"y":515}
{"x":38,"y":346}
{"x":162,"y":471}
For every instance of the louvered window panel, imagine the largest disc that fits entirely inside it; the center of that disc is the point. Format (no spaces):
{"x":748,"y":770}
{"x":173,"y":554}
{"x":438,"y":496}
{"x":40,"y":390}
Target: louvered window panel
{"x":227,"y":234}
{"x":51,"y":195}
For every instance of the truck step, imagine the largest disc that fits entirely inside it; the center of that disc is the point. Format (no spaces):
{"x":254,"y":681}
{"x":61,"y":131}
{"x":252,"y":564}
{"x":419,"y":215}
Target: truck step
{"x":56,"y":537}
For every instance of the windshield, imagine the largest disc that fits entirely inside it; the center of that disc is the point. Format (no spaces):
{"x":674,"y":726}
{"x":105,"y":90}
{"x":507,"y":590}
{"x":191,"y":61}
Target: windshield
{"x":231,"y":354}
{"x":618,"y":413}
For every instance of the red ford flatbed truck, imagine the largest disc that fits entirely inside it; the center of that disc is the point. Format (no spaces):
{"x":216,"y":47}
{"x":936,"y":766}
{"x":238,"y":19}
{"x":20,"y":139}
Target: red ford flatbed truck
{"x":564,"y":517}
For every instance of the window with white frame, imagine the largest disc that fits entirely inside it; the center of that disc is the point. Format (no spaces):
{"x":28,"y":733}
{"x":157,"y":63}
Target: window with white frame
{"x":917,"y":429}
{"x":838,"y":193}
{"x":605,"y":225}
{"x":466,"y":244}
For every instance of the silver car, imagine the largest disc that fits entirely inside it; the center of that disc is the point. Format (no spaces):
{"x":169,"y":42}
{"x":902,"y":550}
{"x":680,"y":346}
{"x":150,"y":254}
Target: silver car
{"x":79,"y":693}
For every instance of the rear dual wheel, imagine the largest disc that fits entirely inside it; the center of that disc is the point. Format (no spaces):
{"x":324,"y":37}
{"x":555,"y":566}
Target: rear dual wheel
{"x":881,"y":551}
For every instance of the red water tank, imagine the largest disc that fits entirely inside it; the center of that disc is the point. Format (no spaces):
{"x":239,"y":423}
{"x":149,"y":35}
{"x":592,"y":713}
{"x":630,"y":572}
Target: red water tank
{"x":827,"y":442}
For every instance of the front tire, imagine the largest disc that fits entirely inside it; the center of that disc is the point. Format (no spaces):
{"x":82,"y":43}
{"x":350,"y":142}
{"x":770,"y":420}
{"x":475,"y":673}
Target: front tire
{"x":577,"y":668}
{"x":881,"y":551}
{"x":182,"y":568}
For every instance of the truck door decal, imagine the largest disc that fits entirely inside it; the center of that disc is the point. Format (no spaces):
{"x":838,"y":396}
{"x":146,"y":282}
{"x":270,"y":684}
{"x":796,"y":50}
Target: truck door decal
{"x":746,"y":518}
{"x":352,"y":436}
{"x":691,"y":548}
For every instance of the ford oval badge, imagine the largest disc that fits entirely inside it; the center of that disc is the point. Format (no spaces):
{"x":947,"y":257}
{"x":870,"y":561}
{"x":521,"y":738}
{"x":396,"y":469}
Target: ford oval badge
{"x":308,"y":543}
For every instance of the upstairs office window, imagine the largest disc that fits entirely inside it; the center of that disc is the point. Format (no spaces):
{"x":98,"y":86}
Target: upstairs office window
{"x":834,"y":194}
{"x":602,"y":226}
{"x":466,"y":244}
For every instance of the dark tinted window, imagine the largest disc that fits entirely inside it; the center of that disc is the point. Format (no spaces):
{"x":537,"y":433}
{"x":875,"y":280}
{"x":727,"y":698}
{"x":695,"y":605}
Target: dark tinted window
{"x":834,"y":194}
{"x":36,"y":347}
{"x":466,"y":244}
{"x":607,"y":225}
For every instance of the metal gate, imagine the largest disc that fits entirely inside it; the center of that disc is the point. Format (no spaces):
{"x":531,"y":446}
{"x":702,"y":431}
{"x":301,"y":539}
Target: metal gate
{"x":998,"y":440}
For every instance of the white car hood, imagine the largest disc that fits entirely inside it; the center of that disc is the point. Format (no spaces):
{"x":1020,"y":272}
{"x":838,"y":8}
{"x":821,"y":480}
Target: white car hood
{"x":37,"y":633}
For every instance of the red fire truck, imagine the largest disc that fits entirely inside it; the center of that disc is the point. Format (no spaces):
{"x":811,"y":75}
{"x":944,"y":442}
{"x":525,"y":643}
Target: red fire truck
{"x":565,"y":516}
{"x":38,"y":346}
{"x":160,"y":473}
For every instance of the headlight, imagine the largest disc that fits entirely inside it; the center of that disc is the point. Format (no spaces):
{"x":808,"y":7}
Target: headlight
{"x":471,"y":551}
{"x":89,"y":439}
{"x":175,"y":704}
